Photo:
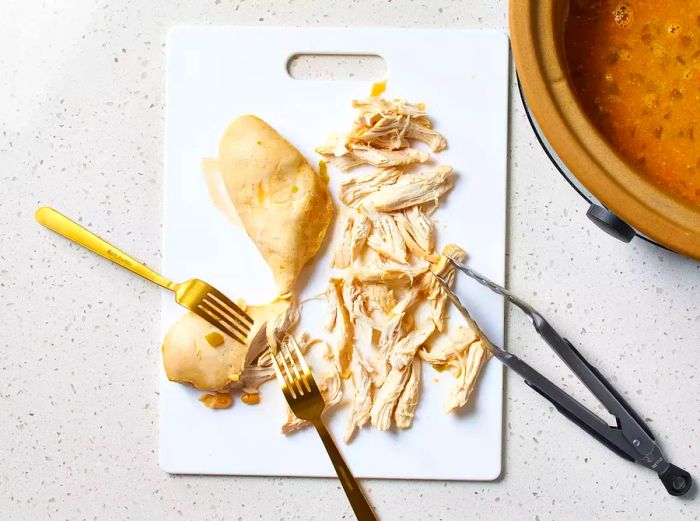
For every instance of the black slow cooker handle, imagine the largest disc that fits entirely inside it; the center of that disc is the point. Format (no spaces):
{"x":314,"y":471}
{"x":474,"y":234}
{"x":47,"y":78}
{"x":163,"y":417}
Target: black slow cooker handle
{"x":610,"y":223}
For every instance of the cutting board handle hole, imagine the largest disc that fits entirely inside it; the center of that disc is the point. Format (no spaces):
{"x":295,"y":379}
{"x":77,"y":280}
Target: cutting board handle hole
{"x":338,"y":67}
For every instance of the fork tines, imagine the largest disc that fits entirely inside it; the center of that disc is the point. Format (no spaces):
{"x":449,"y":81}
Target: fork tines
{"x":228,"y":316}
{"x":292,"y":371}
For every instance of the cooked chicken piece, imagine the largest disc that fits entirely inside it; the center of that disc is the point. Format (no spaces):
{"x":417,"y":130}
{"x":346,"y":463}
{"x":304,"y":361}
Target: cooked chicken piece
{"x":387,"y":158}
{"x":403,"y":352}
{"x":354,"y":301}
{"x":397,"y":327}
{"x":423,"y":121}
{"x":355,"y":187}
{"x":427,"y":135}
{"x":379,"y":301}
{"x":469,"y":365}
{"x":293,"y":424}
{"x":408,"y":401}
{"x":387,"y":397}
{"x":341,"y":327}
{"x":387,"y":133}
{"x":342,"y":256}
{"x":375,"y":105}
{"x":189,"y":358}
{"x":418,"y":232}
{"x":411,"y":189}
{"x":362,"y":396}
{"x":385,"y":237}
{"x":335,"y":145}
{"x":262,"y":370}
{"x":394,"y":329}
{"x":390,"y":131}
{"x":432,"y":288}
{"x":332,"y":318}
{"x":390,"y":142}
{"x":444,"y":269}
{"x":391,"y":272}
{"x":283,"y":203}
{"x":364,"y":155}
{"x":280,"y":325}
{"x":332,"y":392}
{"x":254,"y":376}
{"x":406,"y":300}
{"x":443,"y":348}
{"x":345,"y":163}
{"x":361,"y":228}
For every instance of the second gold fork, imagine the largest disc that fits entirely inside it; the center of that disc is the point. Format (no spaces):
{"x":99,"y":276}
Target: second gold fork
{"x":306,"y":402}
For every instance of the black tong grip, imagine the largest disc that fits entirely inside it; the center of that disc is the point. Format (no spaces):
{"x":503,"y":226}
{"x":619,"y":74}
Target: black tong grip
{"x":573,"y":417}
{"x":676,"y":480}
{"x":625,"y":405}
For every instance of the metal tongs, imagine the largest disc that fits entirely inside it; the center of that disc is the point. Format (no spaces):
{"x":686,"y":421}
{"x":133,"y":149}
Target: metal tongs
{"x":631,"y":438}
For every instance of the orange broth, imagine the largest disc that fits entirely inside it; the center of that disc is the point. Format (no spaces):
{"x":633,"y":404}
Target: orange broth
{"x":635,"y":66}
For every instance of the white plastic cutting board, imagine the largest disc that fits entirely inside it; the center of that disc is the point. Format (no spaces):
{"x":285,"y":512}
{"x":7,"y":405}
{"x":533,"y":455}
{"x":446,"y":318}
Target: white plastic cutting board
{"x":218,"y":73}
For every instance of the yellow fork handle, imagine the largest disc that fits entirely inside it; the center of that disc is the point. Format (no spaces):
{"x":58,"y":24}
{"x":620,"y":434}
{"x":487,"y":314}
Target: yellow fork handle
{"x":358,"y":501}
{"x":62,"y":225}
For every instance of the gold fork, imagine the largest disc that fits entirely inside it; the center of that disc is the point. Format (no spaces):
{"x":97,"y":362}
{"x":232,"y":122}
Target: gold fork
{"x":194,"y":294}
{"x":306,"y":402}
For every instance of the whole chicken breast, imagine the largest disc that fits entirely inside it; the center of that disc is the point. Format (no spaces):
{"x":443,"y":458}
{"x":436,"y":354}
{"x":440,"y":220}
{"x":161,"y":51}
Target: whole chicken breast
{"x":283,"y":203}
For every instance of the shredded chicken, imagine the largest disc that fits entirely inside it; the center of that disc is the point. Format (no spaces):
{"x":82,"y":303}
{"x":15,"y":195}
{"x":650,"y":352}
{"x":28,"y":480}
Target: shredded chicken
{"x":427,"y":135}
{"x":335,"y":145}
{"x":332,"y":391}
{"x":361,"y":228}
{"x":389,"y":272}
{"x":411,"y":189}
{"x":254,"y":376}
{"x":345,"y":163}
{"x":355,"y":187}
{"x":379,"y":301}
{"x":445,"y":348}
{"x":418,"y":232}
{"x":385,"y":238}
{"x":387,"y":398}
{"x":469,"y":366}
{"x":433,"y":290}
{"x":388,"y":132}
{"x":353,"y":301}
{"x":408,"y":401}
{"x":394,"y":329}
{"x":404,"y":350}
{"x":407,"y":299}
{"x":376,"y":105}
{"x":362,"y":155}
{"x":282,"y":324}
{"x":262,"y":370}
{"x":387,"y":313}
{"x":387,"y":158}
{"x":362,"y":396}
{"x":342,"y":257}
{"x":341,"y":326}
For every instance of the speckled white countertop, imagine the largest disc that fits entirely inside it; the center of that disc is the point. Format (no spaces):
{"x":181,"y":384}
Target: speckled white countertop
{"x":81,"y":128}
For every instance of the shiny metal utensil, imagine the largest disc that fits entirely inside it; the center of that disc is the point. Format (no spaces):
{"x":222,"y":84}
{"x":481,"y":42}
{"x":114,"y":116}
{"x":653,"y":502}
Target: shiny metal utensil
{"x":194,"y":294}
{"x":306,"y":402}
{"x":630,"y":438}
